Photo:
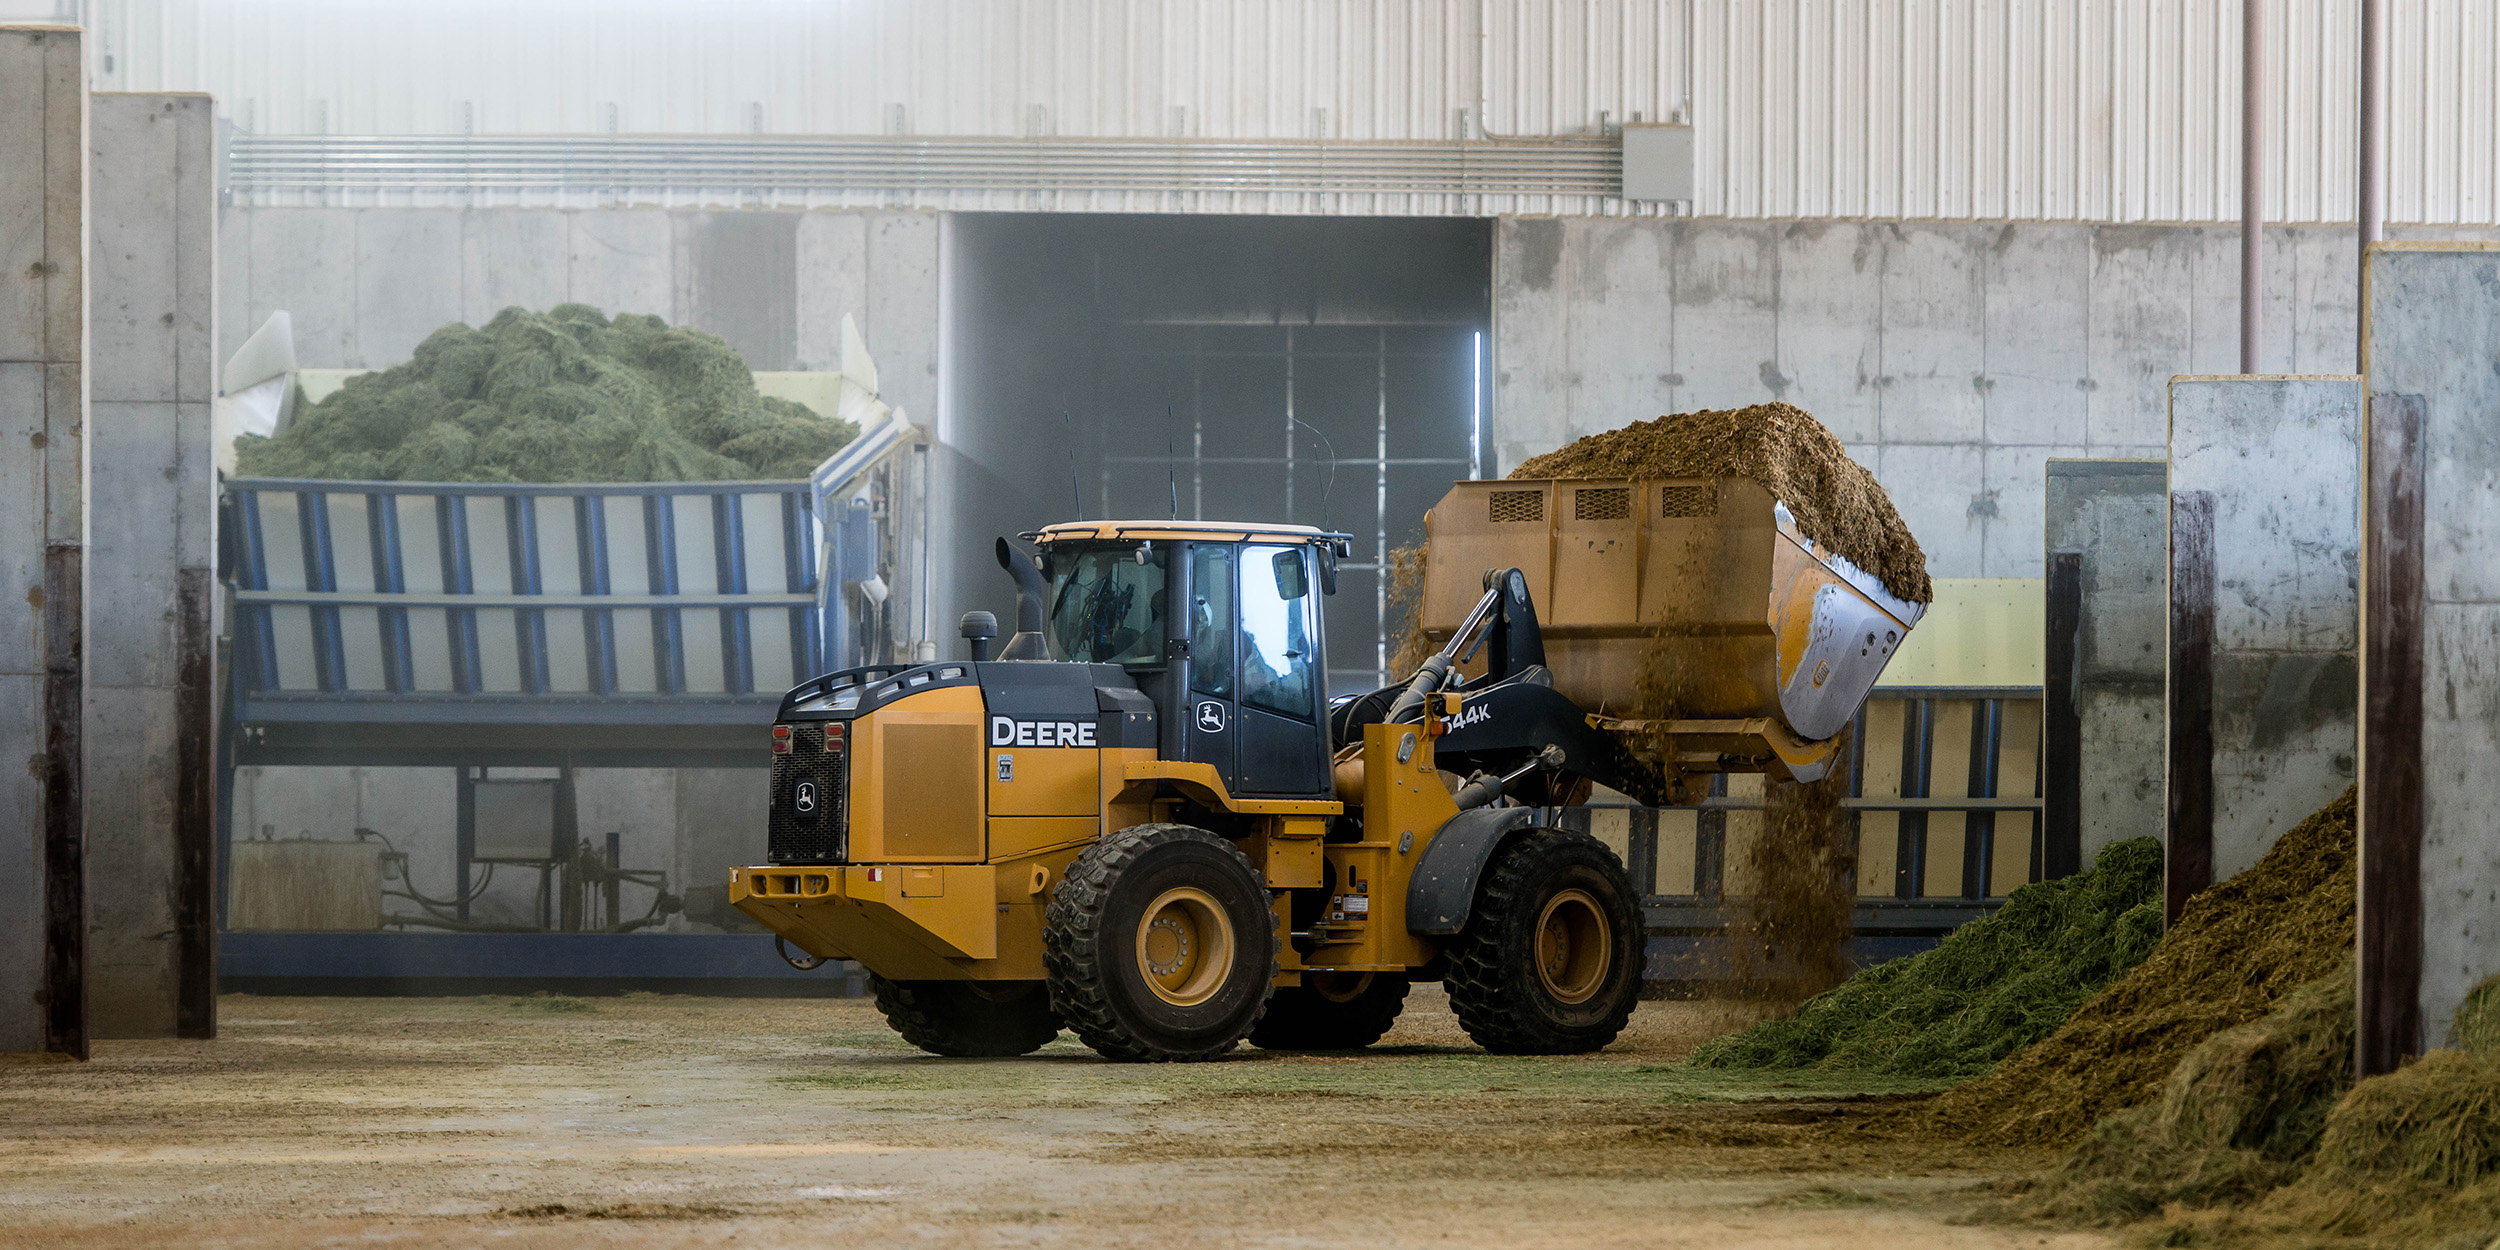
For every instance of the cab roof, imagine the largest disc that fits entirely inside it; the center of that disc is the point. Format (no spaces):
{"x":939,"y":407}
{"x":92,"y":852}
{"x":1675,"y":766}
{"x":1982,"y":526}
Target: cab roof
{"x":1243,"y":531}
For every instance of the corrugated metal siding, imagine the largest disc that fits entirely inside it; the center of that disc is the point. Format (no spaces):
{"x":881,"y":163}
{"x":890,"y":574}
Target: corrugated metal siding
{"x":2062,"y":110}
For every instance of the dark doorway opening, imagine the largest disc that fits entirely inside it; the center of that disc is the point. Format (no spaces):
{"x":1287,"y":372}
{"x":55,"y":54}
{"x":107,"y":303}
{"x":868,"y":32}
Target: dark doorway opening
{"x":1312,"y":371}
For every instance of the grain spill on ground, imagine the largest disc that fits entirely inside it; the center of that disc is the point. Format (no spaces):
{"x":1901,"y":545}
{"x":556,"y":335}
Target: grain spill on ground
{"x":656,"y":1121}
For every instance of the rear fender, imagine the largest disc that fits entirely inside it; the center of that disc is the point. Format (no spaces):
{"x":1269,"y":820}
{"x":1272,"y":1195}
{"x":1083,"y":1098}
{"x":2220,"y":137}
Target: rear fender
{"x":1443,"y":890}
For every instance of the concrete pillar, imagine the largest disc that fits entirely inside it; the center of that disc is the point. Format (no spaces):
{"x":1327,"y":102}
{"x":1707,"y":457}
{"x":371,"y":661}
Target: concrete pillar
{"x":2114,"y":515}
{"x":149,"y":704}
{"x":2280,"y":458}
{"x":2430,"y":888}
{"x":43,"y":482}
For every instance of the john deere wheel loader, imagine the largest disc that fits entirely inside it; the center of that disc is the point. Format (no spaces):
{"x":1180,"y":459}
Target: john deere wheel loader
{"x":1144,"y":821}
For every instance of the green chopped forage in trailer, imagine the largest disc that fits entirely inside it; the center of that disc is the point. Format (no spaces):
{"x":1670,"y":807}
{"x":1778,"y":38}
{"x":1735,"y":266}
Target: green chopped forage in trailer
{"x":567,"y":395}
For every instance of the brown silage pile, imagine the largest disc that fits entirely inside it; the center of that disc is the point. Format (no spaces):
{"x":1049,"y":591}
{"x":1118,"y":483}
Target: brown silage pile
{"x":1836,"y":501}
{"x":2261,"y":1138}
{"x":2239,"y":950}
{"x":2236,"y":1119}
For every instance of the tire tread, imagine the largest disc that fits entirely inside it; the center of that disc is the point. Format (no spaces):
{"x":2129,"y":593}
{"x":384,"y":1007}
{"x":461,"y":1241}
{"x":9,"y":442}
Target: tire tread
{"x":1073,"y":937}
{"x":1490,"y":964}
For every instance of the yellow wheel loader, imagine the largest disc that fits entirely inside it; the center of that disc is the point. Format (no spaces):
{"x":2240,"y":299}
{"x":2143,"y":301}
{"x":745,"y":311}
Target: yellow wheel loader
{"x":1143,"y":820}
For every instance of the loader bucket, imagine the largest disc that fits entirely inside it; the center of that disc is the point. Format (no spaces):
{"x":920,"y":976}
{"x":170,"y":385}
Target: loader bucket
{"x":1691,"y":607}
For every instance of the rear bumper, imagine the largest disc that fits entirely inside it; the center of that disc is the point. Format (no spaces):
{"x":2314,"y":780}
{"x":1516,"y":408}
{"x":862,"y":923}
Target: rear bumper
{"x":885,"y":915}
{"x":945,"y":922}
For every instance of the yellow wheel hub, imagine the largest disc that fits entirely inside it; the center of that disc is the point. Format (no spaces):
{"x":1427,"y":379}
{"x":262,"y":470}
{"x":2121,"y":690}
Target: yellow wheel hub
{"x":1185,"y":946}
{"x":1574,"y":946}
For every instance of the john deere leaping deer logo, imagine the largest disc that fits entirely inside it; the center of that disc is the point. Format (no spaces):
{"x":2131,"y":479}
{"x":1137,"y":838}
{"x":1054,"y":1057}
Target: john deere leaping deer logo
{"x":803,"y":797}
{"x":1211,"y":717}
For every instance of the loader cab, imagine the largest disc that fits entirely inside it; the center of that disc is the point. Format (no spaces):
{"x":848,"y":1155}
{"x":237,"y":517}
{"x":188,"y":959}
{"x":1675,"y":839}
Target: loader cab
{"x":1220,"y":625}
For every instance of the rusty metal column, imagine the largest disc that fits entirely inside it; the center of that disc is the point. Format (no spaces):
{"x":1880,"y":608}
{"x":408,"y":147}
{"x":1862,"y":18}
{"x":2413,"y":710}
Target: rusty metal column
{"x":2061,"y":734}
{"x":43,"y":490}
{"x":2389,"y":917}
{"x":2188,"y":865}
{"x":2252,"y":180}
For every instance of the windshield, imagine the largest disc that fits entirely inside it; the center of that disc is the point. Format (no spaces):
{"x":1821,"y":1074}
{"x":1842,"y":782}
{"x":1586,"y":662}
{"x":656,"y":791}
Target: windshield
{"x":1105,"y":606}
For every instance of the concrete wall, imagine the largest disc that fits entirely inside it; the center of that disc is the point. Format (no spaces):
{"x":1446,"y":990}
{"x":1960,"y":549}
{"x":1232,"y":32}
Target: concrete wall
{"x":367,"y":285}
{"x":2117,"y":513}
{"x":2282,"y":459}
{"x":2434,"y":331}
{"x":1952,"y":359}
{"x":43,"y":406}
{"x":151,"y":319}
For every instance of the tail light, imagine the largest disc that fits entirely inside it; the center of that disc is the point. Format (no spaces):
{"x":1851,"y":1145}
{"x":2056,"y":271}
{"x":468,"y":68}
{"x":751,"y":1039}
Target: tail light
{"x":781,"y":739}
{"x":835,"y":733}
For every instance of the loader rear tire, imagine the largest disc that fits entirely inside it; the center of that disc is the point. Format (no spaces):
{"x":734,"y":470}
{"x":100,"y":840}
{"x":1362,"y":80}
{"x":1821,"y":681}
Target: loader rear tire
{"x":1549,"y":962}
{"x":969,"y":1019}
{"x":1160,"y":945}
{"x":1332,"y":1011}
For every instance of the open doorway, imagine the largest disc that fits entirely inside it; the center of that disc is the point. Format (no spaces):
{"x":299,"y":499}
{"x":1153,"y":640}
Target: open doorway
{"x":1312,"y":371}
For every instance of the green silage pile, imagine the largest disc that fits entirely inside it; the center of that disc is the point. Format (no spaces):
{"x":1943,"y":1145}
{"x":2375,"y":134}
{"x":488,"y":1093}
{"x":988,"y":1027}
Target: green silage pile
{"x":567,"y":395}
{"x":1992,"y":987}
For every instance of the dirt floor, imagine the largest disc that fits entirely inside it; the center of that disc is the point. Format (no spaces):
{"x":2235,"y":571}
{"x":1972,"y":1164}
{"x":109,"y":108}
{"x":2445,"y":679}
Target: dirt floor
{"x":666,"y":1121}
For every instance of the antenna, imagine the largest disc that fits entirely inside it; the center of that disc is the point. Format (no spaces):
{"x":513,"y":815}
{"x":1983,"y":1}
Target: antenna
{"x":1171,"y":461}
{"x":1076,"y":492}
{"x":1330,"y":482}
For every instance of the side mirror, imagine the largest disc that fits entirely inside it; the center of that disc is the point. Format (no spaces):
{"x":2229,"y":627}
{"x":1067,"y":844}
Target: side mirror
{"x":1290,"y":581}
{"x":1328,"y":568}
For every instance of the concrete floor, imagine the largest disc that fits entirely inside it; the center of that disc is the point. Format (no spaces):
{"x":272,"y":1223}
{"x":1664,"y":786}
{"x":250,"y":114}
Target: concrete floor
{"x":658,"y":1121}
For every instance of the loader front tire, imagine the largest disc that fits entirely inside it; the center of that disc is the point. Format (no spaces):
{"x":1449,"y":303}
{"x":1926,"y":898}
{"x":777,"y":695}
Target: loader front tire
{"x":1332,"y":1011}
{"x":1549,"y":962}
{"x":1160,"y":945}
{"x":969,"y":1019}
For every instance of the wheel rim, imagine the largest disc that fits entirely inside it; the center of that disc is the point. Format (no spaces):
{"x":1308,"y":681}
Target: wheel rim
{"x":1185,"y":946}
{"x":1574,"y":944}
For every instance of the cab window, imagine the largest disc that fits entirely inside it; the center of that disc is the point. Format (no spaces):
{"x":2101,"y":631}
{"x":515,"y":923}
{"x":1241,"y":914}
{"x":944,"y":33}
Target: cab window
{"x":1211,"y":620}
{"x":1276,"y":671}
{"x":1106,"y":605}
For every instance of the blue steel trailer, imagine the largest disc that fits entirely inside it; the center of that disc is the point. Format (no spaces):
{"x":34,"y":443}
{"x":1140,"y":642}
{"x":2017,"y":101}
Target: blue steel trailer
{"x":479,"y":626}
{"x":614,"y":625}
{"x":440,"y":623}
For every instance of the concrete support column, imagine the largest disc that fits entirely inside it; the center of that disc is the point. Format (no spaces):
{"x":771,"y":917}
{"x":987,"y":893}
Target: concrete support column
{"x":150,"y":701}
{"x":2280,"y":458}
{"x":43,"y":482}
{"x":2430,"y":585}
{"x":2114,"y":514}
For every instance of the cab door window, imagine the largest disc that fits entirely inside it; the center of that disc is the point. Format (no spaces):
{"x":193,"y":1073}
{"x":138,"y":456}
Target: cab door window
{"x":1276,"y":670}
{"x":1211,"y":620}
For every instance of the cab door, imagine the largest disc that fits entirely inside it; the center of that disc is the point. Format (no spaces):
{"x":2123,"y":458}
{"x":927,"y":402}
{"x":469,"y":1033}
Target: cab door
{"x":1208,"y":718}
{"x":1281,"y":741}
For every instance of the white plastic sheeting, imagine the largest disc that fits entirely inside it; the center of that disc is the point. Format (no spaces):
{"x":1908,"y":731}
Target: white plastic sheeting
{"x":2066,"y":110}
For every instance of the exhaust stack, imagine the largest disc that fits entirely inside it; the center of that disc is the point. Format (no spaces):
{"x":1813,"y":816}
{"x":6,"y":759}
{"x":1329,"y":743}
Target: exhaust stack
{"x":1027,"y":644}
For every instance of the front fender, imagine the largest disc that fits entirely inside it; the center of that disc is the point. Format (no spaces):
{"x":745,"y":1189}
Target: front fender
{"x":1443,"y":890}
